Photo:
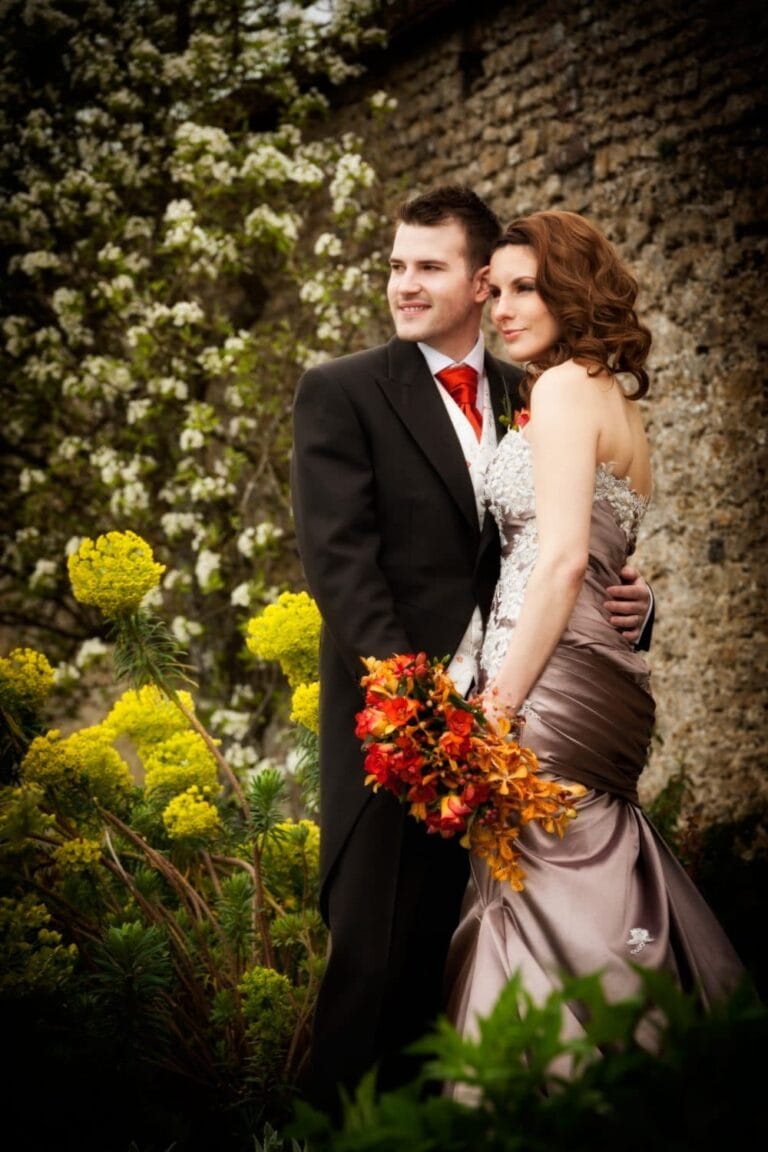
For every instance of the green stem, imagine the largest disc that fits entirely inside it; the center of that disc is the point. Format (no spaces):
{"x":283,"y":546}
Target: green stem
{"x":212,"y":747}
{"x":260,"y":909}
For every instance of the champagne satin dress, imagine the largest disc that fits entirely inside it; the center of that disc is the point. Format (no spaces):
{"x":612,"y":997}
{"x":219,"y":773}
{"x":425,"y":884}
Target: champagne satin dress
{"x":610,"y":892}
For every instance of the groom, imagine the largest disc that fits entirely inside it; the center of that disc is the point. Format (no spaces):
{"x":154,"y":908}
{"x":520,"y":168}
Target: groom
{"x":386,"y":479}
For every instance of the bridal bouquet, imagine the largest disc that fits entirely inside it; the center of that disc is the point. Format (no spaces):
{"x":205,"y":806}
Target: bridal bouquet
{"x":458,"y":773}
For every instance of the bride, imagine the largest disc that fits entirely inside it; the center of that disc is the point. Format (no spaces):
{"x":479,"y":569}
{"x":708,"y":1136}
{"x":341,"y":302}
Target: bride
{"x":568,"y":491}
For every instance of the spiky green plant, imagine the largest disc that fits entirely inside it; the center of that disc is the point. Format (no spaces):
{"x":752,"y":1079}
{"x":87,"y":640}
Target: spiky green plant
{"x":532,"y":1089}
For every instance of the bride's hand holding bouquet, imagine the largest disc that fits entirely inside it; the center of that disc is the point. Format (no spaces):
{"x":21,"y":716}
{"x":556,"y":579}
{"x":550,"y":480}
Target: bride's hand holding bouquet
{"x":459,"y":771}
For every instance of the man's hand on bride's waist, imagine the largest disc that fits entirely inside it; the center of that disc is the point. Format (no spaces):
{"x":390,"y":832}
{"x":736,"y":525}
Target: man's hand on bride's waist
{"x":628,"y":604}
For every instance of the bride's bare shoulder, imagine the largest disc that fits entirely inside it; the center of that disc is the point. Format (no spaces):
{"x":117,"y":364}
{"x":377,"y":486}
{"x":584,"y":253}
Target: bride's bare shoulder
{"x":567,"y":378}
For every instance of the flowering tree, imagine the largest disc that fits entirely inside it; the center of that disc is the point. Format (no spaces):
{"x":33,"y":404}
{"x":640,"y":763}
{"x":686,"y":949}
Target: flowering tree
{"x":170,"y":201}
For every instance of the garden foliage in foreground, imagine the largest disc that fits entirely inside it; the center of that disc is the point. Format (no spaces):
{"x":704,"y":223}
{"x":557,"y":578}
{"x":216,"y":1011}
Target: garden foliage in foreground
{"x":158,"y":909}
{"x":702,"y":1089}
{"x":161,"y":942}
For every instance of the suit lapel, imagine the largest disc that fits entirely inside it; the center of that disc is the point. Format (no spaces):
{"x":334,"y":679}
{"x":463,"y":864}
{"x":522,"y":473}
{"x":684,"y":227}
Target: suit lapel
{"x":411,"y":391}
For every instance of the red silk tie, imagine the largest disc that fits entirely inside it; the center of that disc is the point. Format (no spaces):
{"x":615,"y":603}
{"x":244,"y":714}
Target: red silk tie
{"x":460,"y":380}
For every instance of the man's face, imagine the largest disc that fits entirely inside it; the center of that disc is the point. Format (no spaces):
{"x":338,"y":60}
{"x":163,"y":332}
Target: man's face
{"x":432,"y":295}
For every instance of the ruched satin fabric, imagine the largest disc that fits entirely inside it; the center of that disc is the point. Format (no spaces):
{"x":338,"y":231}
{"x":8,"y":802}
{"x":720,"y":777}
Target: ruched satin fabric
{"x":611,"y":893}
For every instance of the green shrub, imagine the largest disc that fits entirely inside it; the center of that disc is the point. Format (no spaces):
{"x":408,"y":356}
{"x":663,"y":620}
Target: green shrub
{"x":701,"y":1089}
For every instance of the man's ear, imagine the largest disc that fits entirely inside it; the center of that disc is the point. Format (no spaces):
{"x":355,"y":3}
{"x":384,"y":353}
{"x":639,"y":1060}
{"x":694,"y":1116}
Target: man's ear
{"x":482,"y":285}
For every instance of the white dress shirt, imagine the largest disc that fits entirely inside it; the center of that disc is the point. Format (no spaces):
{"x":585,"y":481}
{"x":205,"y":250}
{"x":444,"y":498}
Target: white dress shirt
{"x":463,"y":668}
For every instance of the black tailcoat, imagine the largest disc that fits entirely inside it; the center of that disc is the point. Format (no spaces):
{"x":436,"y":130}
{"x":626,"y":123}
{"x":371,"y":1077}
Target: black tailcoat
{"x":389,"y":539}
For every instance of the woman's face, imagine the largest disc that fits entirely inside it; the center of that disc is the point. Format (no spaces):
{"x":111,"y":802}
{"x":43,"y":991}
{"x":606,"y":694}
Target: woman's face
{"x":526,"y":324}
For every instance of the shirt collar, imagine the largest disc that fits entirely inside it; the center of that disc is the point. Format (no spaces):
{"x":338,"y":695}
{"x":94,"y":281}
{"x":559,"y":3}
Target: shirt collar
{"x":436,"y":361}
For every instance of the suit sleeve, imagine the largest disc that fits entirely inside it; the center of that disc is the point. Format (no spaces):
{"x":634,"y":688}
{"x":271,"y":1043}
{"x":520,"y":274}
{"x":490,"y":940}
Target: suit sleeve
{"x":335,"y":514}
{"x":644,"y":643}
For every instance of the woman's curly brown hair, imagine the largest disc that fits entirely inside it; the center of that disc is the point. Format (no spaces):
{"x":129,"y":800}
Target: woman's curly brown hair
{"x":589,"y":291}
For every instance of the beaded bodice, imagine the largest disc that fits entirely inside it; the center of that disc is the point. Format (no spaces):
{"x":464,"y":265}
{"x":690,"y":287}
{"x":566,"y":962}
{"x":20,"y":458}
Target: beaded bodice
{"x":509,"y":492}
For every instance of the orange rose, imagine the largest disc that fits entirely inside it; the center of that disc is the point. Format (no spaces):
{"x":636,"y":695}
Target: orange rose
{"x":454,"y":745}
{"x":400,"y":710}
{"x":459,"y":720}
{"x":451,"y":818}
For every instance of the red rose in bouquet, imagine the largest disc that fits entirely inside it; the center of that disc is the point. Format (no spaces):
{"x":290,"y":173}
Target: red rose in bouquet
{"x":457,"y":772}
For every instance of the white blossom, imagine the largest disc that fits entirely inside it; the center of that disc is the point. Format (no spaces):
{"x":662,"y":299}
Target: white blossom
{"x":231,"y":723}
{"x":381,"y":101}
{"x":113,"y":289}
{"x":309,"y":357}
{"x":89,"y":651}
{"x":241,"y":757}
{"x":129,"y":499}
{"x":265,"y":223}
{"x":168,"y":386}
{"x":205,"y":489}
{"x":65,"y":673}
{"x":251,"y":540}
{"x":304,"y":172}
{"x":352,"y":172}
{"x":207,"y":567}
{"x":246,"y":542}
{"x":109,"y":254}
{"x":135,"y":334}
{"x":233,"y":395}
{"x":313,"y":290}
{"x":266,"y":533}
{"x":44,"y":574}
{"x":109,"y":464}
{"x":175,"y":524}
{"x":16,"y":330}
{"x":241,"y":595}
{"x":177,"y":579}
{"x":179,"y":210}
{"x":214,"y":140}
{"x":186,"y":312}
{"x":327,"y":244}
{"x":152,"y":600}
{"x":137,"y":410}
{"x":265,"y":160}
{"x":30,"y":478}
{"x":242,"y":696}
{"x":327,"y":332}
{"x":241,"y":425}
{"x":353,"y":279}
{"x":137,"y":227}
{"x":185,"y":630}
{"x":190,"y":439}
{"x":32,"y":262}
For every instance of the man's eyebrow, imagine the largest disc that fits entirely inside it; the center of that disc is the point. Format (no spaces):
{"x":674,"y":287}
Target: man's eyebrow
{"x":420,"y":260}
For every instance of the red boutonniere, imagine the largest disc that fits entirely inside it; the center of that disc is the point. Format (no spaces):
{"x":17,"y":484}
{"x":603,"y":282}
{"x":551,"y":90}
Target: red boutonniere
{"x":520,"y":419}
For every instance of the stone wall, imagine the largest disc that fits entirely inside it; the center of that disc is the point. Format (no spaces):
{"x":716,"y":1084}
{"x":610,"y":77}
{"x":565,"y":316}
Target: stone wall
{"x":647,"y":118}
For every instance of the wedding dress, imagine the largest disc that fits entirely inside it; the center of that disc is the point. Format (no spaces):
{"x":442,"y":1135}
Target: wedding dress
{"x":610,"y":893}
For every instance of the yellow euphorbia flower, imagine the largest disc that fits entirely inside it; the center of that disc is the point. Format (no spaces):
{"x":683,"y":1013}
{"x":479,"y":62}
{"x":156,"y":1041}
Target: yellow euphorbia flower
{"x":25,"y":675}
{"x":148,"y":716}
{"x":85,"y":758}
{"x":288,"y":631}
{"x":305,"y":706}
{"x":181,"y":762}
{"x":191,"y":816}
{"x":78,"y":855}
{"x":291,"y":860}
{"x":114,"y":572}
